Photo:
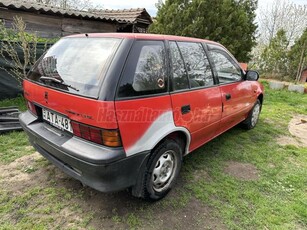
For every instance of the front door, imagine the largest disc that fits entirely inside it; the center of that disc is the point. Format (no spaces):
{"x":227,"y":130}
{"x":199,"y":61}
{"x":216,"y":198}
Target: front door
{"x":236,"y":95}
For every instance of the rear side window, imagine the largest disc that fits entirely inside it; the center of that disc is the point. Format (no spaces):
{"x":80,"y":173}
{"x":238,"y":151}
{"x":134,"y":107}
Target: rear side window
{"x":180,"y":75}
{"x":190,"y":66}
{"x":197,"y":64}
{"x":76,"y":65}
{"x":145,"y":70}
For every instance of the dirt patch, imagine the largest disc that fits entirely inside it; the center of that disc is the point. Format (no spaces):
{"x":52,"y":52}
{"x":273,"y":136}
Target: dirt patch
{"x":242,"y":171}
{"x":287,"y":140}
{"x":200,"y":175}
{"x":298,"y":128}
{"x":168,"y":213}
{"x":14,"y":176}
{"x":34,"y":170}
{"x":268,"y":121}
{"x":195,"y":215}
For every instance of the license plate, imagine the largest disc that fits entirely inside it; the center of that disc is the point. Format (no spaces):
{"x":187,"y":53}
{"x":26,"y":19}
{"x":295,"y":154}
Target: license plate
{"x":57,"y":120}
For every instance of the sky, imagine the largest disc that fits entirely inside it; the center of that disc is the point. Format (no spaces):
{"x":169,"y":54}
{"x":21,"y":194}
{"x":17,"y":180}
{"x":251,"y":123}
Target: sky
{"x":150,"y":4}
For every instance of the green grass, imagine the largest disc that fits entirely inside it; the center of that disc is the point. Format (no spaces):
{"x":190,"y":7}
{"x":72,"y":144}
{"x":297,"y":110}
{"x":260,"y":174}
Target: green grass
{"x":277,"y":200}
{"x":18,"y":101}
{"x":14,"y":145}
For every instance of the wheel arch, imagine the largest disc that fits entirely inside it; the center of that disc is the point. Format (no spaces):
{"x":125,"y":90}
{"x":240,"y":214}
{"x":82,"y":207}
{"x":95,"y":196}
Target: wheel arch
{"x":181,"y":136}
{"x":177,"y":134}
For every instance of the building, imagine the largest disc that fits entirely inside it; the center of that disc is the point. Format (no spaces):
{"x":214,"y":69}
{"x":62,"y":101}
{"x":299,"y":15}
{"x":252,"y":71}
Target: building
{"x":303,"y":78}
{"x":51,"y":22}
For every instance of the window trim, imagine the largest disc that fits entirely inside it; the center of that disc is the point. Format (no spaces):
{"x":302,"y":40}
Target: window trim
{"x":141,"y":96}
{"x":193,"y":89}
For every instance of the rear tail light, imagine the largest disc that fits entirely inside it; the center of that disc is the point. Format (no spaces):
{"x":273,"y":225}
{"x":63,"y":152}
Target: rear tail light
{"x":31,"y":108}
{"x":109,"y":138}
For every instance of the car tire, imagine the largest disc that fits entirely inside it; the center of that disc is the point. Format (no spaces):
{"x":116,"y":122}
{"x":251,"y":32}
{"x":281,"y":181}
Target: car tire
{"x":162,"y":170}
{"x":253,"y":116}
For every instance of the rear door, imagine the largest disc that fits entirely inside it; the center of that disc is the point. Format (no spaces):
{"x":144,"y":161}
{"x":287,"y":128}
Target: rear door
{"x":143,"y":105}
{"x":236,"y":93}
{"x":196,"y":100}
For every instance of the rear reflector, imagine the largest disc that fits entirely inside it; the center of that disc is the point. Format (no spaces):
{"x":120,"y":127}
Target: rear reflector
{"x":109,"y":138}
{"x":76,"y":128}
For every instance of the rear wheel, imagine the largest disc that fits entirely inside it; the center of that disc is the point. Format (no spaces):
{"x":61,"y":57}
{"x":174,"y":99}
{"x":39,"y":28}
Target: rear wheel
{"x":253,"y":116}
{"x":162,"y":170}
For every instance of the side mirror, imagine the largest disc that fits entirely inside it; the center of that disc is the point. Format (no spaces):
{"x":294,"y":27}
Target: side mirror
{"x":251,"y":75}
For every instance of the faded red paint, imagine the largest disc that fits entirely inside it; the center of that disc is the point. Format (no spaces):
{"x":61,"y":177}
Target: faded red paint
{"x":84,"y":110}
{"x":211,"y":113}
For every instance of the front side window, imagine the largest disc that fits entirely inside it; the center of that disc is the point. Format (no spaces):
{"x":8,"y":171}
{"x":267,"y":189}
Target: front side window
{"x":145,"y":70}
{"x":197,"y":64}
{"x":227,"y":71}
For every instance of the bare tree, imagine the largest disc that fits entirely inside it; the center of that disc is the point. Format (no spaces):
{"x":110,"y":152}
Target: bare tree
{"x":282,"y":14}
{"x":17,"y":49}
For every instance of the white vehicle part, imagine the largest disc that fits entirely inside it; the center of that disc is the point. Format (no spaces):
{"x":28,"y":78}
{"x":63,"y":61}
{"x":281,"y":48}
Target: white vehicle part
{"x":160,"y":128}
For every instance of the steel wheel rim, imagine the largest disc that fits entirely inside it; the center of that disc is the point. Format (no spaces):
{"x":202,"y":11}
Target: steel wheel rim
{"x":164,"y":171}
{"x":255,"y":115}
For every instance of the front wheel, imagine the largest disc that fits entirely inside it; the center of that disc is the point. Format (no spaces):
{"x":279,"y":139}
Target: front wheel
{"x":162,"y":170}
{"x":253,"y":116}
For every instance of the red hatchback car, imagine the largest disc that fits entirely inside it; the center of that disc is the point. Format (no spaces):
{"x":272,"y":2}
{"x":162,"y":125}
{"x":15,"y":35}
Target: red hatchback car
{"x":120,"y":111}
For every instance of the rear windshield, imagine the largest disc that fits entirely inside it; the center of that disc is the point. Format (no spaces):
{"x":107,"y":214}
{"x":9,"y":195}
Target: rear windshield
{"x":76,"y":65}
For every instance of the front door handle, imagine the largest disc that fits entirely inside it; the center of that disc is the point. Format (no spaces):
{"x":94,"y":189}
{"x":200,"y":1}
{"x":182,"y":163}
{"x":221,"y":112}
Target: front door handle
{"x":228,"y":96}
{"x":185,"y":109}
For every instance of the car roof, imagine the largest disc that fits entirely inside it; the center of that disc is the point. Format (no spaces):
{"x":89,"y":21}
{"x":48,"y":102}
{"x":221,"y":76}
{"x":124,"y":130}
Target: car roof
{"x":144,"y":37}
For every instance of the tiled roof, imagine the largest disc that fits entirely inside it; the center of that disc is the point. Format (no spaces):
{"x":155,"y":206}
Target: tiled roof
{"x":129,"y":15}
{"x":124,"y":16}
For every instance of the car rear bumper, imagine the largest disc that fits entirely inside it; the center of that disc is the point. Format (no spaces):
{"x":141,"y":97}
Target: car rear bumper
{"x":102,"y":168}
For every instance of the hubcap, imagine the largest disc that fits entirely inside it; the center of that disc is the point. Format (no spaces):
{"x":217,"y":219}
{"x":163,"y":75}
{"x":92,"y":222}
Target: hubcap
{"x":255,"y":114}
{"x":164,"y":171}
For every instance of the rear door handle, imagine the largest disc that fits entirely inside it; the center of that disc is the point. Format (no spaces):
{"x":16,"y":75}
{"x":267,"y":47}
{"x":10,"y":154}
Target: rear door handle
{"x":185,"y":109}
{"x":228,"y":96}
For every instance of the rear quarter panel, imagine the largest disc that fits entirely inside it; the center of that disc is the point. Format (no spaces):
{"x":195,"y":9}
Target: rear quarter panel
{"x":144,"y":122}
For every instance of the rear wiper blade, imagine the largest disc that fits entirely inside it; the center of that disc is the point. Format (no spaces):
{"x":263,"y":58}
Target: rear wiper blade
{"x":61,"y":82}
